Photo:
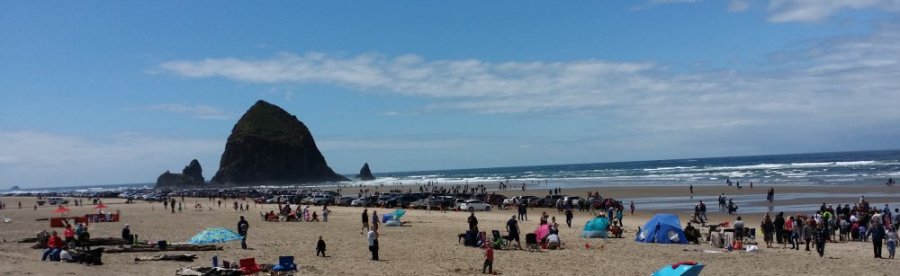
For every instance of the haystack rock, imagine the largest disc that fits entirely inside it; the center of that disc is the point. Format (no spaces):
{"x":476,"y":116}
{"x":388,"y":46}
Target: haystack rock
{"x":270,"y":146}
{"x":365,"y":173}
{"x":192,"y":175}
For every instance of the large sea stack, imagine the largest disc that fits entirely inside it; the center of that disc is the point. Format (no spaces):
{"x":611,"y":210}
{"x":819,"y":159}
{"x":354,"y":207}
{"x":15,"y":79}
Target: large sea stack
{"x":192,"y":175}
{"x":365,"y":173}
{"x":270,"y":146}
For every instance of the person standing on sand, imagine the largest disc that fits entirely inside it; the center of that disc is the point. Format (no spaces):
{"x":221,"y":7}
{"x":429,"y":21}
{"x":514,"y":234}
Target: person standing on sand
{"x":569,"y":216}
{"x":365,"y":220}
{"x":821,"y":236}
{"x":779,"y":228}
{"x":375,"y":220}
{"x":632,"y":207}
{"x":692,"y":189}
{"x":488,"y":260}
{"x":473,"y":222}
{"x":512,"y":226}
{"x":372,"y":237}
{"x":242,"y":227}
{"x":877,"y":233}
{"x":320,"y":247}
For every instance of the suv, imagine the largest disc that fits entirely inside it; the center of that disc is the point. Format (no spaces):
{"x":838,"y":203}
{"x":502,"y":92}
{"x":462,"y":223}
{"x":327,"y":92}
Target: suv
{"x":400,"y":201}
{"x":475,"y":205}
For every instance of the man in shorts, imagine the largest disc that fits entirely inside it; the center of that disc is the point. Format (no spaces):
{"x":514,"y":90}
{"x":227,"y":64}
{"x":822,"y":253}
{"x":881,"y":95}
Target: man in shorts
{"x":512,"y":226}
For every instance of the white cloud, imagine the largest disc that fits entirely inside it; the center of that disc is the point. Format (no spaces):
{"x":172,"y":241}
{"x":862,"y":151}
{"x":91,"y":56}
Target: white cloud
{"x":36,"y":159}
{"x":828,"y":83}
{"x":817,"y":10}
{"x":196,"y":111}
{"x":738,"y":5}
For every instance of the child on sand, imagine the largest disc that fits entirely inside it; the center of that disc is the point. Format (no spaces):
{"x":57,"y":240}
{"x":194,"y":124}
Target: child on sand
{"x":320,"y":247}
{"x":488,"y":260}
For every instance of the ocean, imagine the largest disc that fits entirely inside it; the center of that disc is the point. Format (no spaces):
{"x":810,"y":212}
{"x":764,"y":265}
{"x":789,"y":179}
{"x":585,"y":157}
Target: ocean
{"x":836,"y":168}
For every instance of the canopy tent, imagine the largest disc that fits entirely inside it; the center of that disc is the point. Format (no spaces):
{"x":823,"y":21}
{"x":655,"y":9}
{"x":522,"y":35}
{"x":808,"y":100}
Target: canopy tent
{"x":596,"y":228}
{"x":680,"y":269}
{"x":215,"y":235}
{"x":662,"y":228}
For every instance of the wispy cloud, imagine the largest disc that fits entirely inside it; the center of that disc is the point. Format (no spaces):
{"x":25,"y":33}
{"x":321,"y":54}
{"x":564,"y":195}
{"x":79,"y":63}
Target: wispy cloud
{"x":738,"y":5}
{"x":807,"y":85}
{"x":195,"y":111}
{"x":31,"y":159}
{"x":816,"y":10}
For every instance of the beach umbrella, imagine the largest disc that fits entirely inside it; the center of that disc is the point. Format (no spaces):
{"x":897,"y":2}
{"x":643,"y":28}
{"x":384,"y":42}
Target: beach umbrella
{"x":100,"y":206}
{"x":215,"y":235}
{"x":61,"y":210}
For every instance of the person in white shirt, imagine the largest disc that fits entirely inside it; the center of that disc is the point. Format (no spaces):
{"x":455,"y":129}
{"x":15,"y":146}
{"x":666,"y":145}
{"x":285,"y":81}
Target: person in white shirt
{"x":553,"y":241}
{"x":892,"y":240}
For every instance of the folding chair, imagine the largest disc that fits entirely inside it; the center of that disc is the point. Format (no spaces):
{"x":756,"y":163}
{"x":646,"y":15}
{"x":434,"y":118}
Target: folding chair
{"x":249,"y":266}
{"x":285,"y":263}
{"x":499,"y":241}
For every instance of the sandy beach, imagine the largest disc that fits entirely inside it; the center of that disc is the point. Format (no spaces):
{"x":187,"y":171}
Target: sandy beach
{"x":428,"y":244}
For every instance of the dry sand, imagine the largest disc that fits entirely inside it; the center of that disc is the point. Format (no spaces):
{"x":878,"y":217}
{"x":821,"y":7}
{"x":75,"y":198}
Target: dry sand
{"x":426,"y":246}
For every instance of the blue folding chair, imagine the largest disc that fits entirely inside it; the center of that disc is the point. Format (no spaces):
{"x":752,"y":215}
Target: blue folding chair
{"x":285,"y":263}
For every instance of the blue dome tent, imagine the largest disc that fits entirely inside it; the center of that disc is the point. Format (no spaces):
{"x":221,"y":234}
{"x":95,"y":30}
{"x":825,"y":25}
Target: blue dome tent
{"x":596,"y":228}
{"x":662,"y":228}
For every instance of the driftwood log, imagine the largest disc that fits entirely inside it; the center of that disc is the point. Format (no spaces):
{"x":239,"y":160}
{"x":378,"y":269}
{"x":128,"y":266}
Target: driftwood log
{"x":92,"y":242}
{"x":171,"y":247}
{"x":168,"y":257}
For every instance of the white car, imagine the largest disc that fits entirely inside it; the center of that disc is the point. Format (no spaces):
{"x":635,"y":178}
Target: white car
{"x":475,"y":205}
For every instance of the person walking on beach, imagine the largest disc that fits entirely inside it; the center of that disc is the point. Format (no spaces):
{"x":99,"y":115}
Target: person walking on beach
{"x":488,"y":260}
{"x":172,"y":205}
{"x":892,"y":240}
{"x":569,"y":216}
{"x":242,"y":227}
{"x":632,"y":207}
{"x":473,"y":222}
{"x":821,"y":237}
{"x":877,"y":233}
{"x":779,"y":229}
{"x":375,"y":220}
{"x":523,"y":212}
{"x":372,"y":237}
{"x":365,"y":220}
{"x":703,"y":211}
{"x":692,"y":189}
{"x":320,"y":247}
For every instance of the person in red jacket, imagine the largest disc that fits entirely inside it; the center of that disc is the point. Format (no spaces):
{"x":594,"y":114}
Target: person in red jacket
{"x":54,"y":247}
{"x":69,"y":234}
{"x":488,"y":260}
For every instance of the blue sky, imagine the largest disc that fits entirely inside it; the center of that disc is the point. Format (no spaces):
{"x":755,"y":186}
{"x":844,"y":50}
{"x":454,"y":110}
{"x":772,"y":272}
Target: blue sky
{"x":118,"y":92}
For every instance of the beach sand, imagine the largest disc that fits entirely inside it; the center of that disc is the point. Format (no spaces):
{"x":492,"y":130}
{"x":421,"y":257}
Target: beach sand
{"x":428,"y":244}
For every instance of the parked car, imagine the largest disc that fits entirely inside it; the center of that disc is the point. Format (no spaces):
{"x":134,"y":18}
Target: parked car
{"x":362,"y":202}
{"x":321,"y":199}
{"x":572,"y":200}
{"x":475,"y":205}
{"x":344,"y":201}
{"x":57,"y":200}
{"x":400,"y":201}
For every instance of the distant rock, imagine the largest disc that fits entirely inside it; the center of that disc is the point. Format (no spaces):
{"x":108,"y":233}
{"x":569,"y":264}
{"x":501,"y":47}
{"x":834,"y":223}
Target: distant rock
{"x":365,"y":173}
{"x":270,"y":146}
{"x":15,"y":188}
{"x":192,"y":175}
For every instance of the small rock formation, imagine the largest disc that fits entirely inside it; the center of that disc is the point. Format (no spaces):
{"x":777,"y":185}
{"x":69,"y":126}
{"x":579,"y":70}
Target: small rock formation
{"x":15,"y":188}
{"x":365,"y":173}
{"x":192,"y":175}
{"x":270,"y":146}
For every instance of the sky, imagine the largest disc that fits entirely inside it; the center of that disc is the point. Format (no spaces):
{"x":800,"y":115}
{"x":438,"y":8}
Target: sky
{"x":114,"y":92}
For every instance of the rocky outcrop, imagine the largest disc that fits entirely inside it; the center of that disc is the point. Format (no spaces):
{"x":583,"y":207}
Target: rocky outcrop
{"x":365,"y":173}
{"x":192,"y":175}
{"x":270,"y":146}
{"x":15,"y":188}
